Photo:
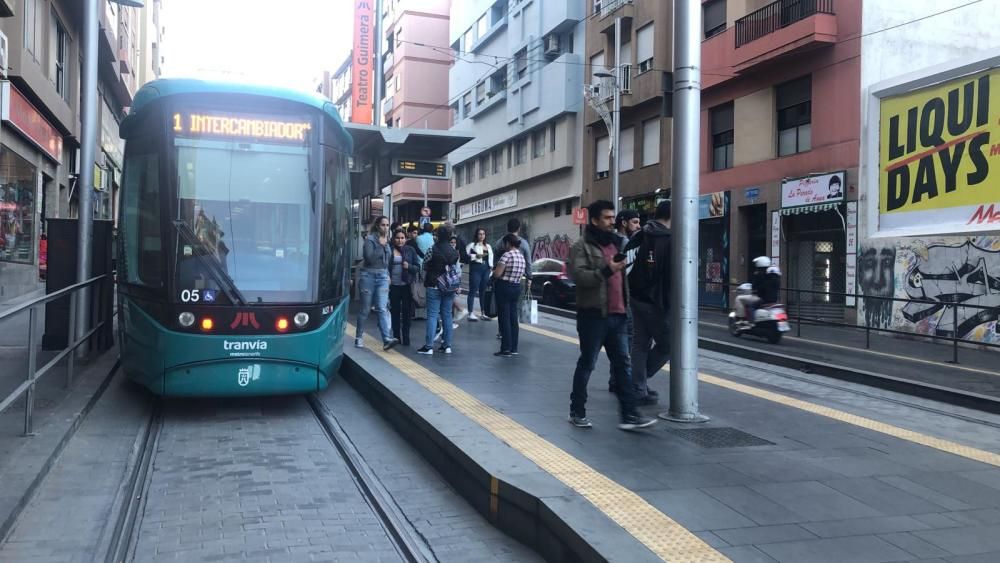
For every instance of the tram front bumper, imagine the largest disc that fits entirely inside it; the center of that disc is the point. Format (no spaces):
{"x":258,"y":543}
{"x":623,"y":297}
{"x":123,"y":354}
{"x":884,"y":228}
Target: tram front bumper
{"x":242,"y":378}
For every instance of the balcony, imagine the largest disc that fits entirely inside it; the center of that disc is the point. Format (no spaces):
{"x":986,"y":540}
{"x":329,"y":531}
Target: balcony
{"x":604,"y":9}
{"x":783,"y":27}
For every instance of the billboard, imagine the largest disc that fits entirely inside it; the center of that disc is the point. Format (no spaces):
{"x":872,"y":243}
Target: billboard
{"x":939,"y":157}
{"x":813,"y":190}
{"x":362,"y":59}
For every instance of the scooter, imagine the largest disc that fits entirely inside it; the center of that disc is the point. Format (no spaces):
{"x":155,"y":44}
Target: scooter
{"x":770,"y":321}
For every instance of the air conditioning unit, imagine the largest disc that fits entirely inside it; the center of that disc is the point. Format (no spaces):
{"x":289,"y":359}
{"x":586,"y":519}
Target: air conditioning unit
{"x":3,"y":56}
{"x":552,"y":45}
{"x":594,"y":90}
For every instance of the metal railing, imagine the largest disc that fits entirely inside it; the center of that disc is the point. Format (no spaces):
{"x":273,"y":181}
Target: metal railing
{"x":794,"y":306}
{"x":27,"y":388}
{"x":777,"y":15}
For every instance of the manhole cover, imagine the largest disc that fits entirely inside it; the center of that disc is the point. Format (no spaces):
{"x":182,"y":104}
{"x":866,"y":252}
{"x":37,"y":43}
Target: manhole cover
{"x":719,"y":437}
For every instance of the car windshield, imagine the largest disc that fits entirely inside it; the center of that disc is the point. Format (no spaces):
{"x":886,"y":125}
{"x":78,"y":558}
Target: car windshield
{"x":244,"y":222}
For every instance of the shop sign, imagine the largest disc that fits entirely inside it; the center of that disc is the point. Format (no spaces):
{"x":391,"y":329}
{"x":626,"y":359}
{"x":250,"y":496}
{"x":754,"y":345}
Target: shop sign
{"x":23,"y":116}
{"x":775,"y":237}
{"x":751,"y":194}
{"x":580,"y":216}
{"x":712,"y":205}
{"x":852,"y":252}
{"x":936,"y":147}
{"x":813,"y":190}
{"x":505,"y":200}
{"x":362,"y":74}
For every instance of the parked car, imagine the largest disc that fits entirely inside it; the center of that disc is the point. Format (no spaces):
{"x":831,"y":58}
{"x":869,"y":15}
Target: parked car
{"x":551,"y":284}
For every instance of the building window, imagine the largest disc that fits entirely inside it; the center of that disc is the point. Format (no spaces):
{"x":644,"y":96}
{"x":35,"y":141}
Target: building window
{"x":30,"y":23}
{"x":497,"y":158}
{"x":721,"y":121}
{"x":601,"y":157}
{"x":627,"y":153}
{"x":538,"y":143}
{"x":58,"y":54}
{"x":651,"y":141}
{"x":520,"y":150}
{"x":480,"y":93}
{"x":396,"y":82}
{"x":17,"y":208}
{"x":714,"y":16}
{"x":522,"y":63}
{"x":556,"y":209}
{"x":597,"y":6}
{"x":794,"y":105}
{"x":569,"y":207}
{"x":458,"y":176}
{"x":470,"y":172}
{"x":498,"y":12}
{"x":510,"y":153}
{"x":596,"y":65}
{"x":484,"y":166}
{"x":644,"y":47}
{"x":454,"y":113}
{"x":552,"y":137}
{"x":498,"y":82}
{"x":399,"y":36}
{"x":482,"y":26}
{"x":467,"y":104}
{"x":469,"y":39}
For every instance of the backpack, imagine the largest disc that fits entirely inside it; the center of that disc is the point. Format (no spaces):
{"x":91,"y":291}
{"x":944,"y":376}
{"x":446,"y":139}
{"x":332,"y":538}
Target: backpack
{"x":450,"y":279}
{"x":648,"y":279}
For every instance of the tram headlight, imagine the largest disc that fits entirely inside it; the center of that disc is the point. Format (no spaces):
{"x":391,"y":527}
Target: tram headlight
{"x":185,"y":319}
{"x":301,"y":319}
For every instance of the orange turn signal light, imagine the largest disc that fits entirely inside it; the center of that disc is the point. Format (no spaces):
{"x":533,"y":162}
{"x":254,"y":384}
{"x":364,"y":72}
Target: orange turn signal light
{"x":207,"y":323}
{"x":282,"y":324}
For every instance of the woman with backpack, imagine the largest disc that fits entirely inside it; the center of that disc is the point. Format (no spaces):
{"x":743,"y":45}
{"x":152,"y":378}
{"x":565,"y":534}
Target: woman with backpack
{"x":442,"y":281}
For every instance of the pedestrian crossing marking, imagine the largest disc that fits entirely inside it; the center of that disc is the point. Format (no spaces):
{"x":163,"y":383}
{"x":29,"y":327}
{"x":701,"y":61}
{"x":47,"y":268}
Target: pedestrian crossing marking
{"x":947,"y":446}
{"x":658,"y":532}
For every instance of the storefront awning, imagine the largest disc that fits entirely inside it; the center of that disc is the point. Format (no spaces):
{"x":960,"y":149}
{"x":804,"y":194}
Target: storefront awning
{"x":802,"y":210}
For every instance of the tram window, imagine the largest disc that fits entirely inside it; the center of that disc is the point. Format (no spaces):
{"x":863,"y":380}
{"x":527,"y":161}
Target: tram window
{"x":143,"y":244}
{"x":334,"y":270}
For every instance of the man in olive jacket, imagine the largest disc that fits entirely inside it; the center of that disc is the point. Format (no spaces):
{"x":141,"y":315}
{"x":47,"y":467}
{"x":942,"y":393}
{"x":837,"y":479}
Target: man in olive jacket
{"x":601,"y":318}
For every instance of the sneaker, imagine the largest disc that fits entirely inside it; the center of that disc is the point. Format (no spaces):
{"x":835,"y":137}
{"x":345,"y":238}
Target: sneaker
{"x":514,"y":353}
{"x":446,"y":349}
{"x":359,"y":342}
{"x":635,"y":422}
{"x":454,"y":326}
{"x":502,"y":354}
{"x":390,"y":344}
{"x":485,"y":318}
{"x":461,"y":315}
{"x":473,"y":318}
{"x":580,"y":421}
{"x":498,"y":337}
{"x":426,"y":351}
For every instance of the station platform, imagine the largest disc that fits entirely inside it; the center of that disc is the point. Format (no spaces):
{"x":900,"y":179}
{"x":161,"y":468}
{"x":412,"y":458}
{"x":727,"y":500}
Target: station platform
{"x":792,"y":466}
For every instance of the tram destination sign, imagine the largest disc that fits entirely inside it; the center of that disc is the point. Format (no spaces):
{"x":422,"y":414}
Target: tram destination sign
{"x":414,"y":168}
{"x":240,"y":126}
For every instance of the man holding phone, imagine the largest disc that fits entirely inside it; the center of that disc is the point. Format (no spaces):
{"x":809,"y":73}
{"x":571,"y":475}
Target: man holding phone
{"x":602,"y":296}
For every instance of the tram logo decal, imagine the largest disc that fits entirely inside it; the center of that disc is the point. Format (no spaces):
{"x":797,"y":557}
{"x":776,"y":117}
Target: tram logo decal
{"x":248,"y":374}
{"x":243,"y":349}
{"x":245,"y":319}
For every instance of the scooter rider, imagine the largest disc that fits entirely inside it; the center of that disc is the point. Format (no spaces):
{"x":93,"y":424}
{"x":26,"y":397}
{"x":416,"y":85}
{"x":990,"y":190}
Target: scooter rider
{"x":766,"y":284}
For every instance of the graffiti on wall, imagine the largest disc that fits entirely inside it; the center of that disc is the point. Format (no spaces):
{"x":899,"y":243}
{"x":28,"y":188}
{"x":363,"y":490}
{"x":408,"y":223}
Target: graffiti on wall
{"x":939,"y":272}
{"x":551,"y":247}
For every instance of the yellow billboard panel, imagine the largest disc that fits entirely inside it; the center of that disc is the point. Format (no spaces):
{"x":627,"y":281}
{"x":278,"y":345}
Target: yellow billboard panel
{"x":939,"y":156}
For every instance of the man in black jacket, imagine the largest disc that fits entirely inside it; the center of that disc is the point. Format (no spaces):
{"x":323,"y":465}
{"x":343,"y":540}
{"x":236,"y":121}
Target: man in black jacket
{"x":649,"y":283}
{"x":437,"y":261}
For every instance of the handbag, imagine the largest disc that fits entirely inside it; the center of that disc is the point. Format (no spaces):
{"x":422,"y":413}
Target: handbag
{"x":529,"y":311}
{"x":489,"y":302}
{"x":418,"y":291}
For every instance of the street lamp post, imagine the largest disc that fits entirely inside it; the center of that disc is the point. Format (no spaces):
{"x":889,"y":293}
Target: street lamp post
{"x":616,"y":113}
{"x":88,"y":154}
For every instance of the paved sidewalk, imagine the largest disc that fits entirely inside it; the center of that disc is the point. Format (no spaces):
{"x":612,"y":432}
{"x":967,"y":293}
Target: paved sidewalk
{"x":791,"y":467}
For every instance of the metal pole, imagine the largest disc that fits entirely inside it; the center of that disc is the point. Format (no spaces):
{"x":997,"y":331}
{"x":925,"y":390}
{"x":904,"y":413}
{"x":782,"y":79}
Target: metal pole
{"x":71,"y":340}
{"x":88,"y":147}
{"x":379,"y":78}
{"x":616,"y":117}
{"x":954,"y":333}
{"x":29,"y":397}
{"x":684,"y":296}
{"x":423,"y":189}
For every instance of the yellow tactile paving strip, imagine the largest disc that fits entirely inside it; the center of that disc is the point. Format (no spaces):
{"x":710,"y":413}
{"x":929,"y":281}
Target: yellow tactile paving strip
{"x":861,"y":421}
{"x":658,"y":532}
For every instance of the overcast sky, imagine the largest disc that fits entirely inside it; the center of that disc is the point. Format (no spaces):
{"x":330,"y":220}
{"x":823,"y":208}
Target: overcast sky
{"x":285,"y":43}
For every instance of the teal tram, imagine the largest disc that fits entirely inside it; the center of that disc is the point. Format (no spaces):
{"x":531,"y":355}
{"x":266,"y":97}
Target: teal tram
{"x":233,"y":252}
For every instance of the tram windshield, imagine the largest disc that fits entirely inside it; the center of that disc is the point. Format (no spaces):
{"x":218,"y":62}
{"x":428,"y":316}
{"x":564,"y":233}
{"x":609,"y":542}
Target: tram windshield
{"x":244,"y":222}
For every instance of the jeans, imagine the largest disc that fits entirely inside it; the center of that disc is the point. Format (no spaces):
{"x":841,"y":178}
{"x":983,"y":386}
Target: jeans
{"x":650,"y":344}
{"x":479,"y":278}
{"x":611,"y":370}
{"x":611,"y":334}
{"x":374,"y":286}
{"x":401,"y":305}
{"x":439,"y":307}
{"x":508,"y":296}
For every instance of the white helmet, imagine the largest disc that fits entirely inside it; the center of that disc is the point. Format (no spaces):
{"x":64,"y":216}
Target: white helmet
{"x":762,"y":262}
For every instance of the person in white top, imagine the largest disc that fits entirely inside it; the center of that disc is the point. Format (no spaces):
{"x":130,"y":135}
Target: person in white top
{"x":480,"y":265}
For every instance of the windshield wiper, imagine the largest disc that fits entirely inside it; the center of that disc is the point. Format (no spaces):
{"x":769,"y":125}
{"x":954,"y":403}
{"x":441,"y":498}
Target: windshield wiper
{"x":220,"y":275}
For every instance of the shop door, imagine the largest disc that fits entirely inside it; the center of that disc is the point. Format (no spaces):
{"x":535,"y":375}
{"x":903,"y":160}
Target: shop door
{"x":755,"y":222}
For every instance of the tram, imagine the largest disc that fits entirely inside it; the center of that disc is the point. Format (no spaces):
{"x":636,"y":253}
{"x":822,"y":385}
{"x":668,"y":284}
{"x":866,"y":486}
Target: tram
{"x":233,"y":241}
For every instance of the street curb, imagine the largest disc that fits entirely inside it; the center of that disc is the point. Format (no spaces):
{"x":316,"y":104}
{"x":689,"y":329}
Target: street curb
{"x":930,"y":391}
{"x":509,"y":490}
{"x":76,"y":421}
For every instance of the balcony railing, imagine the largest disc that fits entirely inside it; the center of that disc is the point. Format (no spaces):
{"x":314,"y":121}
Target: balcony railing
{"x":777,"y":15}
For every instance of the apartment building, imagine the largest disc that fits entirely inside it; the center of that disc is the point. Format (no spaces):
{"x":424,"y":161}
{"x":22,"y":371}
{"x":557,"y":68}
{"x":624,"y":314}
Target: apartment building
{"x":40,"y":132}
{"x":338,"y":88}
{"x":517,"y":85}
{"x":780,"y":115}
{"x":415,"y":65}
{"x":646,"y":57}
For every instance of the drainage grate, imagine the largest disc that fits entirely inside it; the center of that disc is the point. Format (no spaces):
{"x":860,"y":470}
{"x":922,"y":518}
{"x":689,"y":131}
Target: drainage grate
{"x":719,"y":437}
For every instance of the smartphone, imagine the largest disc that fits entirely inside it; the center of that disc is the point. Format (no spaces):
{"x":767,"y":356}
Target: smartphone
{"x":619,"y":257}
